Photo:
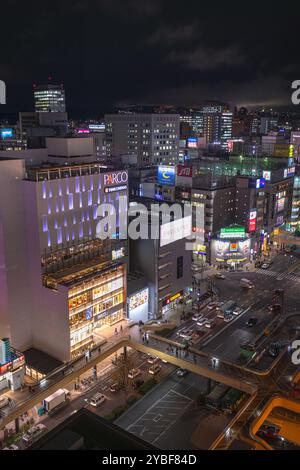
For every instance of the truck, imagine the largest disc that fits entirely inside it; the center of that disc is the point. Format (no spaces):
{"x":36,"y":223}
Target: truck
{"x":231,"y":400}
{"x":226,"y":309}
{"x":213,"y":400}
{"x":246,"y":283}
{"x":56,"y":401}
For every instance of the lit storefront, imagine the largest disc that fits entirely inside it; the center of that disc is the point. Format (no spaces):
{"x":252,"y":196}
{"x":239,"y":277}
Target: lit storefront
{"x":138,"y":305}
{"x":94,"y":303}
{"x":231,"y":248}
{"x":171,"y":302}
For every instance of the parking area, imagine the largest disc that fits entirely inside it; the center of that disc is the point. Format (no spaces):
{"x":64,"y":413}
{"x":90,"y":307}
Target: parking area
{"x":160,"y":416}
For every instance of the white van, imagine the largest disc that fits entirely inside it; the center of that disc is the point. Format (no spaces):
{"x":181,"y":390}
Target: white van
{"x":97,"y":399}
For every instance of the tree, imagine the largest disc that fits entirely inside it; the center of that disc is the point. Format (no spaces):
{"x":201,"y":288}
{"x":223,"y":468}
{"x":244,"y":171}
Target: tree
{"x":124,"y":363}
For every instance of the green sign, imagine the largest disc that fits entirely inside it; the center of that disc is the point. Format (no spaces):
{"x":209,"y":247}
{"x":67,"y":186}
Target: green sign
{"x":232,"y":232}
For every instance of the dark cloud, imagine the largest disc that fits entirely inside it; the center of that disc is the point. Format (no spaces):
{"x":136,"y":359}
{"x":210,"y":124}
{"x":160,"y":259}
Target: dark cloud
{"x":128,"y":51}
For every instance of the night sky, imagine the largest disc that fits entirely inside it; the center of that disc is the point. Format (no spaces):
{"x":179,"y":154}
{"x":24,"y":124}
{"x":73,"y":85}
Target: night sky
{"x":117,"y":52}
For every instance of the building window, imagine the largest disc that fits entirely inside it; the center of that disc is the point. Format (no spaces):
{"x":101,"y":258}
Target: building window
{"x":179,"y":267}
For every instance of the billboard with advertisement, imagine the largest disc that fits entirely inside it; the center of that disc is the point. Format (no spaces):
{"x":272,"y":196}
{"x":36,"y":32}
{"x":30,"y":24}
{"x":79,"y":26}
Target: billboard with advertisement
{"x":166,"y":175}
{"x":284,"y":150}
{"x":233,"y":232}
{"x":185,"y":171}
{"x":267,"y":175}
{"x":192,"y":142}
{"x":6,"y":133}
{"x":252,"y":221}
{"x":226,"y":251}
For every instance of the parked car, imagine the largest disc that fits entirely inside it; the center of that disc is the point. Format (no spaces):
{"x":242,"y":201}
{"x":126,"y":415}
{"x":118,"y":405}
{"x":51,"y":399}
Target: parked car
{"x":202,"y":321}
{"x":196,"y":316}
{"x":34,"y":433}
{"x":152,"y":359}
{"x":269,"y":431}
{"x":212,"y":305}
{"x":115,"y":387}
{"x":133,"y":373}
{"x":210,"y":323}
{"x":154,"y":369}
{"x":181,"y":372}
{"x":237,"y":311}
{"x":251,"y":322}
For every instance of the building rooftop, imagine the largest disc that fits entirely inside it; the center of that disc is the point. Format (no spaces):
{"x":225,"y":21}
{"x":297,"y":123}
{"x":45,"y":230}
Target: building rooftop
{"x":89,"y":432}
{"x":54,"y":171}
{"x":41,"y":361}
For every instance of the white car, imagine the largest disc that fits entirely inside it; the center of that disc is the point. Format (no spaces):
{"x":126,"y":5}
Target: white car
{"x":210,"y":323}
{"x":152,"y":359}
{"x":133,"y":373}
{"x":11,"y":447}
{"x":196,"y":317}
{"x":154,"y":369}
{"x":212,"y":305}
{"x":202,"y":321}
{"x":34,"y":433}
{"x":237,"y":311}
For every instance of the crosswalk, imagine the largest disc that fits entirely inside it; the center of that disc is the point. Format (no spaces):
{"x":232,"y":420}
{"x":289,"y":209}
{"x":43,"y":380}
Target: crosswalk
{"x":279,"y":276}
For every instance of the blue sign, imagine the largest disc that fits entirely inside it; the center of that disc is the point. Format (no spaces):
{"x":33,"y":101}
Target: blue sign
{"x":88,"y":313}
{"x":6,"y":133}
{"x":166,"y":175}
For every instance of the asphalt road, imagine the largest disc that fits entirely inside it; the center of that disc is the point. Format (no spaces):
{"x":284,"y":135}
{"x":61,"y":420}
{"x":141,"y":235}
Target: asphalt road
{"x":170,"y":418}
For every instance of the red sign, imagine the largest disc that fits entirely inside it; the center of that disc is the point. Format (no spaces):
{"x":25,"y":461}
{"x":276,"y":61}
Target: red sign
{"x":184,"y":170}
{"x":252,"y":221}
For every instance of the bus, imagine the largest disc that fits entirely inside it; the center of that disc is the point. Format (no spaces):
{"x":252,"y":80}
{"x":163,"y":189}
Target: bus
{"x":226,"y":309}
{"x":231,"y":400}
{"x":246,"y":283}
{"x":214,"y":399}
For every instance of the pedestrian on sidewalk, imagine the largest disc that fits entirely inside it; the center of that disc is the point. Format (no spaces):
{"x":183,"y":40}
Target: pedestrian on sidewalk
{"x":121,"y":328}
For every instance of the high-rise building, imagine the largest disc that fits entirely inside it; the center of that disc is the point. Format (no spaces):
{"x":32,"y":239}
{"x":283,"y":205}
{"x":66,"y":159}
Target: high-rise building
{"x":49,"y":98}
{"x":217,"y":124}
{"x":151,"y":138}
{"x":59,"y":281}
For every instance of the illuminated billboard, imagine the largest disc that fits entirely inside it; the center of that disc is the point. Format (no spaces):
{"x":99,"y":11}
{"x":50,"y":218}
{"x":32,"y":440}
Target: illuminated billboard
{"x":267,"y":175}
{"x":227,"y":251}
{"x":280,"y":204}
{"x":6,"y":133}
{"x":252,"y":221}
{"x":192,"y":142}
{"x":185,"y":171}
{"x":232,"y":232}
{"x":166,"y":175}
{"x":176,"y":230}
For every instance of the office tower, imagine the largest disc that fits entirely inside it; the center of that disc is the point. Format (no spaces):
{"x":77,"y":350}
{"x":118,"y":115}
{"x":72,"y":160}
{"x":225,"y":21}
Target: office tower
{"x":217,"y":124}
{"x":150,"y":138}
{"x":49,"y":98}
